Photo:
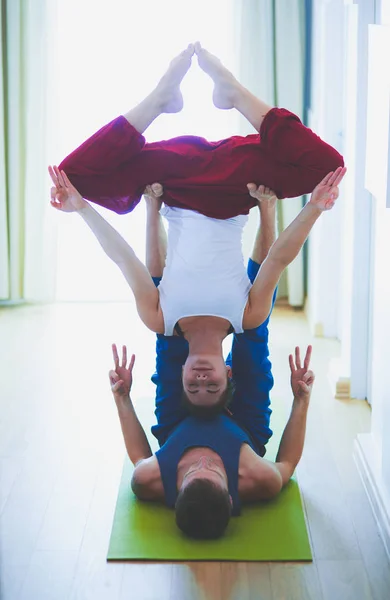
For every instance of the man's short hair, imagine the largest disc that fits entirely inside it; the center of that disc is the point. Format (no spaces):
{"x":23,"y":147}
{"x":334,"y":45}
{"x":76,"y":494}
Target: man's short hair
{"x":209,"y":411}
{"x":203,"y":509}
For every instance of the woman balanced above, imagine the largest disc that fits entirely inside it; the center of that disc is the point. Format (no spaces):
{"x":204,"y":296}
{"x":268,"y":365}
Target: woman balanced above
{"x":205,"y":292}
{"x":205,"y":289}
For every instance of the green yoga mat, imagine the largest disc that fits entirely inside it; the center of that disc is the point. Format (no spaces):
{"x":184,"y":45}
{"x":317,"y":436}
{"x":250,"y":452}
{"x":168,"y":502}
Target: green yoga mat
{"x":268,"y":531}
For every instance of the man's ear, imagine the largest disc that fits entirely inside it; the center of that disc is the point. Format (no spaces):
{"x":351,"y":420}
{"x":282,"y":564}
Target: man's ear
{"x":229,"y":371}
{"x":231,"y":500}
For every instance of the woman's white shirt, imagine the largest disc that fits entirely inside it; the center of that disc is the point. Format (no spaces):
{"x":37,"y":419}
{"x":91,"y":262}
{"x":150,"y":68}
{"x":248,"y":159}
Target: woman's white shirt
{"x":205,"y":274}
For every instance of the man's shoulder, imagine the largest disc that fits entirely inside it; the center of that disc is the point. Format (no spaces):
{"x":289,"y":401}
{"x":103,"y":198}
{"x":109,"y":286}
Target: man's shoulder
{"x":146,"y":481}
{"x":258,"y":478}
{"x":145,"y":468}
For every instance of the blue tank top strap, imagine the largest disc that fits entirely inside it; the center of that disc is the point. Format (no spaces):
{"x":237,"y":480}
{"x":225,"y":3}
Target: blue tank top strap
{"x":221,"y":434}
{"x":178,"y":330}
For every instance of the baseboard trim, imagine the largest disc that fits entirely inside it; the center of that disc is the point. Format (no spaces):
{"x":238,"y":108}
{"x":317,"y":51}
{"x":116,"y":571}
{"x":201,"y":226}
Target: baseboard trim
{"x":339,"y":379}
{"x":343,"y":388}
{"x":368,"y":465}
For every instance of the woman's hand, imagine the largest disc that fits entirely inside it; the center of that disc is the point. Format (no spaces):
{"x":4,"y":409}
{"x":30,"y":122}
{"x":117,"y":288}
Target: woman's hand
{"x":64,"y":195}
{"x":121,"y":378}
{"x":326,"y":193}
{"x":301,"y":378}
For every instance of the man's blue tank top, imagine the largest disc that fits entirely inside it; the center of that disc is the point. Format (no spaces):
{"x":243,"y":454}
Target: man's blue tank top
{"x":221,"y":434}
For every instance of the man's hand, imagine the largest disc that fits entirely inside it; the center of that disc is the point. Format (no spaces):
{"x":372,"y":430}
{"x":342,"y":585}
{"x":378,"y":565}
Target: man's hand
{"x":264,"y":195}
{"x":152,"y":194}
{"x":301,"y":378}
{"x":326,"y":193}
{"x":121,"y":378}
{"x":64,"y":195}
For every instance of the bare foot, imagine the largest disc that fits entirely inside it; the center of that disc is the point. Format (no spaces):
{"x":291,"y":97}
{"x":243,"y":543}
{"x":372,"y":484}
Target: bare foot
{"x":168,"y":88}
{"x":225,"y":84}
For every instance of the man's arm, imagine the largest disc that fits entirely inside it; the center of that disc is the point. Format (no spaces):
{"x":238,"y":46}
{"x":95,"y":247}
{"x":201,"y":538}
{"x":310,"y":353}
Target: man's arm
{"x":287,"y":247}
{"x":146,"y":480}
{"x":171,"y":351}
{"x":156,"y":237}
{"x":261,"y":479}
{"x":265,"y":235}
{"x":134,"y":436}
{"x":249,"y":355}
{"x":293,"y":438}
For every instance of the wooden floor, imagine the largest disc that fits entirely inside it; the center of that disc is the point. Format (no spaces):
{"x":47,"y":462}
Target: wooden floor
{"x":61,"y":456}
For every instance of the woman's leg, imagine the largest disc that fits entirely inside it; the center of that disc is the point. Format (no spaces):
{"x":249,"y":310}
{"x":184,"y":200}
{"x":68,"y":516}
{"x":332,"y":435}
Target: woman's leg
{"x":294,"y":158}
{"x":228,"y":92}
{"x":166,"y":97}
{"x":107,"y":168}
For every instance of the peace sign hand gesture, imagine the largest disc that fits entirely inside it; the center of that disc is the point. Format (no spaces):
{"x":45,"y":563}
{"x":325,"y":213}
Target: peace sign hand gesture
{"x":301,"y":378}
{"x":64,"y":195}
{"x":326,"y":193}
{"x":121,"y":379}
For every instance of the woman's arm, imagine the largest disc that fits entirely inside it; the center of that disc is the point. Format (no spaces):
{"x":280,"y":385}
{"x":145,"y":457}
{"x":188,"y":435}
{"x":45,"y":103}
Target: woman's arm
{"x":136,"y":274}
{"x":283,"y":251}
{"x":65,"y":197}
{"x":287,"y":247}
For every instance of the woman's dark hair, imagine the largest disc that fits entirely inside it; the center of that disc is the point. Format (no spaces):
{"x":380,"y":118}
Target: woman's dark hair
{"x":203,"y":509}
{"x":208,"y":411}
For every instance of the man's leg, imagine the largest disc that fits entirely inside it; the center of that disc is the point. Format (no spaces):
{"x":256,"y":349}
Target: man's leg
{"x":248,"y":358}
{"x":171,"y":352}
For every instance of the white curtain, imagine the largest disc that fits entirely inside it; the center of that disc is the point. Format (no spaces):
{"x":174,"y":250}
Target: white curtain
{"x":27,"y":266}
{"x":270,"y":41}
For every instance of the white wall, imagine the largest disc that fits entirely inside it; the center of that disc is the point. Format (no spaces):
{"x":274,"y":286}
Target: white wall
{"x":377,"y":180}
{"x":362,"y":318}
{"x":338,"y":292}
{"x":350,"y":92}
